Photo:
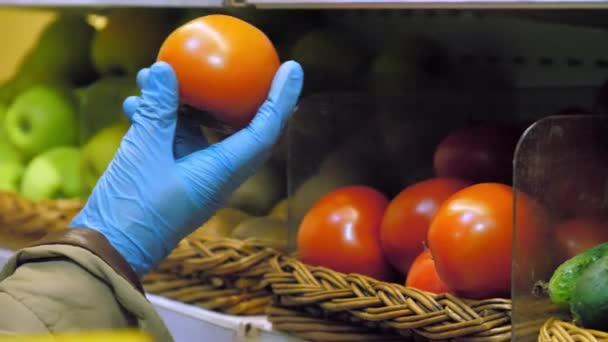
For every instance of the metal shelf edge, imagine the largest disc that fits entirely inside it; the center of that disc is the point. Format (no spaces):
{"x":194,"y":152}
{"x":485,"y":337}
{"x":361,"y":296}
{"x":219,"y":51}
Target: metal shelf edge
{"x":438,"y":4}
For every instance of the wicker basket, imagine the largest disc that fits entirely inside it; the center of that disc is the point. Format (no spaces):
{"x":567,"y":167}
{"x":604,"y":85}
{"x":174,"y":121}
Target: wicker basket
{"x":216,"y":274}
{"x":556,"y":330}
{"x":314,"y":303}
{"x":318,"y":304}
{"x":23,"y":221}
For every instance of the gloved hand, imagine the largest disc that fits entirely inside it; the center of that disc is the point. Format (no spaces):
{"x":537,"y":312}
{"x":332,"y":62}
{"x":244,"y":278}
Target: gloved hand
{"x":165,"y":181}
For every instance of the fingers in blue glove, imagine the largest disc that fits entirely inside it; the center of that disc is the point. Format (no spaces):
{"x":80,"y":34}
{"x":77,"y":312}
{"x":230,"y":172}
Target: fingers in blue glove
{"x":131,"y":104}
{"x":263,"y":131}
{"x":265,"y":128}
{"x":146,"y":201}
{"x":228,"y":163}
{"x":159,"y":89}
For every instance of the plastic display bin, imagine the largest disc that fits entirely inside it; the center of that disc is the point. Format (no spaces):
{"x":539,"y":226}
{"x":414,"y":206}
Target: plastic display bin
{"x":561,"y":163}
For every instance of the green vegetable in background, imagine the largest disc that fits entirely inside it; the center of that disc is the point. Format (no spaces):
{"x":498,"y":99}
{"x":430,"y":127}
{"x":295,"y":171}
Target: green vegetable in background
{"x":566,"y":276}
{"x":589,"y":301}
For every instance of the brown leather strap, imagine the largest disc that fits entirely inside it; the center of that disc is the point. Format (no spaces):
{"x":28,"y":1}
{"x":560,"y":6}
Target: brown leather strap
{"x":97,"y":244}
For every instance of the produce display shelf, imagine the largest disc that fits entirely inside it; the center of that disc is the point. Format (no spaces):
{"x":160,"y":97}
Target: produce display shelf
{"x":186,"y":321}
{"x":378,"y":4}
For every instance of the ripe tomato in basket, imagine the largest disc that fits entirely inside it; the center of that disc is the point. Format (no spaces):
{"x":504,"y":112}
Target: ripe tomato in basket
{"x":471,"y":239}
{"x":224,"y":65}
{"x":578,"y":235}
{"x":423,"y":275}
{"x":407,"y":219}
{"x":341,"y":231}
{"x":478,"y":154}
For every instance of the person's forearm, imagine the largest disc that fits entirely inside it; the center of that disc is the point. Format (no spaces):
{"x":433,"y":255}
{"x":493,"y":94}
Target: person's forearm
{"x":73,"y":281}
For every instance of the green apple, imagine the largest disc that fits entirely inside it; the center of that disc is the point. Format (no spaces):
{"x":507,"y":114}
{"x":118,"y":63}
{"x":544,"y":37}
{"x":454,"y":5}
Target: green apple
{"x":7,"y":94}
{"x":53,"y":174}
{"x":10,"y":176}
{"x":3,"y":108}
{"x":265,"y":228}
{"x":222,"y":223}
{"x":131,"y":39}
{"x":410,"y":64}
{"x":352,"y":161}
{"x":328,"y":58}
{"x":311,"y":190}
{"x":393,"y":71}
{"x":98,"y":152}
{"x":258,"y":194}
{"x":9,"y":153}
{"x":40,"y":118}
{"x":63,"y":51}
{"x":281,"y":210}
{"x":100,"y":104}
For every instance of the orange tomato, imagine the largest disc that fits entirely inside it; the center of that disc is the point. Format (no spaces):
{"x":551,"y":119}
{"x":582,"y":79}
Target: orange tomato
{"x":423,"y":275}
{"x":342,"y":232}
{"x":471,"y":239}
{"x":407,"y":219}
{"x":224,"y":65}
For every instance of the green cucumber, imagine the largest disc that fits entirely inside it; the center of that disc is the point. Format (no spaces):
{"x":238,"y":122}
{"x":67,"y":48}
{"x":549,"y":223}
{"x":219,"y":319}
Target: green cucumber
{"x":589,"y":301}
{"x":565,"y":277}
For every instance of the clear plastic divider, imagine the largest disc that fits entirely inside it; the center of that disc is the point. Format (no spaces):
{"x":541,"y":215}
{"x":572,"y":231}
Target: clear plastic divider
{"x":561,"y":165}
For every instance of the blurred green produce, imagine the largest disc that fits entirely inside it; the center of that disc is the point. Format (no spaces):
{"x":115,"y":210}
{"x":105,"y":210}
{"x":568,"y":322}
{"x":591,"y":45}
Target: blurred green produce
{"x":10,"y":176}
{"x":40,"y":118}
{"x":131,"y":39}
{"x":61,"y":55}
{"x":100,"y":104}
{"x":53,"y":174}
{"x":98,"y":152}
{"x":329,"y":59}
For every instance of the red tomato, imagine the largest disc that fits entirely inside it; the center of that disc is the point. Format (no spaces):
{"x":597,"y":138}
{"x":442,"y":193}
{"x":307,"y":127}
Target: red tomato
{"x":423,"y":275}
{"x":407,"y":219}
{"x":471,"y":235}
{"x":578,"y":235}
{"x":224,"y":66}
{"x":342,"y":231}
{"x":577,"y":187}
{"x":479,"y":154}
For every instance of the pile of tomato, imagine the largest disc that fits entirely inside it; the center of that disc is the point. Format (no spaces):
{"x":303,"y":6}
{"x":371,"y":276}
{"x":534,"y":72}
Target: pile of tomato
{"x":452,"y":233}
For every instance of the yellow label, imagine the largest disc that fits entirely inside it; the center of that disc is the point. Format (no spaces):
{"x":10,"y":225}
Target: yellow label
{"x":92,"y":336}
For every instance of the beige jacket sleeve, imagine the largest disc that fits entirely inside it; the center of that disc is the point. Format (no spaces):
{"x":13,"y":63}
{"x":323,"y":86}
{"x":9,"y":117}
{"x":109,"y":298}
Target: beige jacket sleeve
{"x":73,"y":281}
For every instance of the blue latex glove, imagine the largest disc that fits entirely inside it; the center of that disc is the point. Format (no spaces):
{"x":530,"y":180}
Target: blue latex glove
{"x":165,"y":181}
